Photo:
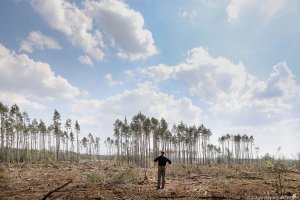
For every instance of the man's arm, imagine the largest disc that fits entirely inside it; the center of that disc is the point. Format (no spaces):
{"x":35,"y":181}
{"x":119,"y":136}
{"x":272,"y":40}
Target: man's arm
{"x":155,"y":160}
{"x":169,"y":161}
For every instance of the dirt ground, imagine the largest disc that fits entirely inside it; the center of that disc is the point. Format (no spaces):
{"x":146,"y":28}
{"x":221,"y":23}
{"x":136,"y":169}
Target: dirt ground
{"x":106,"y":180}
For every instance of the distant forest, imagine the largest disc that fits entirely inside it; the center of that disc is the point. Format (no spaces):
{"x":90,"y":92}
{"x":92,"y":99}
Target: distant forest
{"x":143,"y":138}
{"x":137,"y":142}
{"x":26,"y":140}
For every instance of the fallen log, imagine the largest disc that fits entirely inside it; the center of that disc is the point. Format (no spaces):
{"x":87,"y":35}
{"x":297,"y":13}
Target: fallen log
{"x":56,"y":189}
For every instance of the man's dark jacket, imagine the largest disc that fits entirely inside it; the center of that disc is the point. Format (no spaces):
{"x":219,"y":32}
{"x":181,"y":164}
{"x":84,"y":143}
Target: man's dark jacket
{"x":162,"y":160}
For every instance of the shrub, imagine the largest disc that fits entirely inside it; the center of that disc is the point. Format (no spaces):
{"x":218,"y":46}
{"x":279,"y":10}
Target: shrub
{"x":127,"y":175}
{"x":124,"y":176}
{"x":4,"y":178}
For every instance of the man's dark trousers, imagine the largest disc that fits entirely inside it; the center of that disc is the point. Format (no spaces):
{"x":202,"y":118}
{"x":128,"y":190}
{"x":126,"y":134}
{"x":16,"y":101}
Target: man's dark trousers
{"x":161,"y":175}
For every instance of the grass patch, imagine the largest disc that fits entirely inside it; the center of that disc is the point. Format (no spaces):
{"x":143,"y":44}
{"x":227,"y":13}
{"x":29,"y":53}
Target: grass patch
{"x":127,"y":175}
{"x":123,"y":176}
{"x":4,"y":179}
{"x":97,"y":177}
{"x":177,"y":170}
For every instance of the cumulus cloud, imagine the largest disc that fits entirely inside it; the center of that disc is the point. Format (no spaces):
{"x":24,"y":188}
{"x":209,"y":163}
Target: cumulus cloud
{"x":73,"y":23}
{"x":84,"y":59}
{"x":209,"y":78}
{"x":261,"y":102}
{"x":228,"y":90}
{"x":157,"y":73}
{"x":99,"y":116}
{"x":85,"y":27}
{"x":270,"y":100}
{"x":39,"y":41}
{"x":124,"y":26}
{"x":108,"y":78}
{"x":267,"y":8}
{"x":10,"y":98}
{"x":22,"y":75}
{"x":280,"y":84}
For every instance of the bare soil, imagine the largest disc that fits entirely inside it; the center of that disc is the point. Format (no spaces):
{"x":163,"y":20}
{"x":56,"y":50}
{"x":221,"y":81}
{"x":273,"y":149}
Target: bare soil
{"x":106,"y":180}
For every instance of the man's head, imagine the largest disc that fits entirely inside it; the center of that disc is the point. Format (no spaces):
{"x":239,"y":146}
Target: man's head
{"x":162,"y":152}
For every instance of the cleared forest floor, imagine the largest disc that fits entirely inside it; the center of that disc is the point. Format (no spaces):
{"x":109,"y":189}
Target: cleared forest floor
{"x":105,"y":180}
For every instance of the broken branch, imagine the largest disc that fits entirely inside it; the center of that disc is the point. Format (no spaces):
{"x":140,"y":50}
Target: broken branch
{"x":56,"y":189}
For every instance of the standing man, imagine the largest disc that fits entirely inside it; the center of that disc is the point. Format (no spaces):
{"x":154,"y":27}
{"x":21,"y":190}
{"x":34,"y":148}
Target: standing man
{"x":162,"y":161}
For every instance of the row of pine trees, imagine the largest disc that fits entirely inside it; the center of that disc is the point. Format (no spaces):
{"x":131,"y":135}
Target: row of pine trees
{"x":139,"y":141}
{"x":26,"y":140}
{"x":136,"y":142}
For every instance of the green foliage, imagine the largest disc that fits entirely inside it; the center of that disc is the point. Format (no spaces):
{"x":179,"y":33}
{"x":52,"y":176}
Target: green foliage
{"x":127,"y":175}
{"x":4,"y":179}
{"x":3,"y":176}
{"x":274,"y":166}
{"x":97,"y":177}
{"x":269,"y":165}
{"x":177,"y":170}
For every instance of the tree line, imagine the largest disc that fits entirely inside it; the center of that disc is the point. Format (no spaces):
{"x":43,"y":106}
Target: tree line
{"x":139,"y":141}
{"x":136,"y":142}
{"x":26,"y":140}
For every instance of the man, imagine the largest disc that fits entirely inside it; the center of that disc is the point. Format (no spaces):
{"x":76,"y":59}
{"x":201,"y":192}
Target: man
{"x":162,"y":161}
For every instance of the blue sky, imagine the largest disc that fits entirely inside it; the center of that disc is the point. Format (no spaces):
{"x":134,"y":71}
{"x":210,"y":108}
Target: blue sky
{"x":231,"y":65}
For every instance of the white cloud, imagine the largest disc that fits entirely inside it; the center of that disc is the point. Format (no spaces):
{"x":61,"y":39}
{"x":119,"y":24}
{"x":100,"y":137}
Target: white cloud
{"x":129,"y":73}
{"x":267,"y":101}
{"x":108,"y":78}
{"x":280,"y":84}
{"x":84,"y":59}
{"x":229,"y":91}
{"x":267,"y":8}
{"x":99,"y":116}
{"x":21,"y":75}
{"x":38,"y":40}
{"x":156,"y":73}
{"x":73,"y":23}
{"x":232,"y":93}
{"x":8,"y":98}
{"x":188,"y":14}
{"x":211,"y":78}
{"x":234,"y":9}
{"x":124,"y":26}
{"x":121,"y":24}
